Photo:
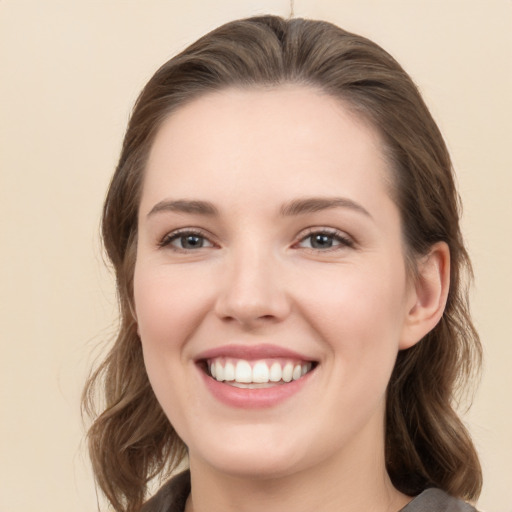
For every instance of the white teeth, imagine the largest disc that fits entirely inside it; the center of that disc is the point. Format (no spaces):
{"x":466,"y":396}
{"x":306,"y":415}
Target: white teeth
{"x":259,"y":374}
{"x":288,"y":372}
{"x":219,"y":371}
{"x":276,"y":372}
{"x":243,"y":372}
{"x":229,"y":371}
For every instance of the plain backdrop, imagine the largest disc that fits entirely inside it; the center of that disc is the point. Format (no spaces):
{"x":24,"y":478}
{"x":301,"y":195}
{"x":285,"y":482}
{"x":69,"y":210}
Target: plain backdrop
{"x":70,"y":71}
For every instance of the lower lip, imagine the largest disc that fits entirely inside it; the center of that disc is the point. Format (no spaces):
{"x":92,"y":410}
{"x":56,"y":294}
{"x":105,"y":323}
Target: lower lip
{"x":245,"y":398}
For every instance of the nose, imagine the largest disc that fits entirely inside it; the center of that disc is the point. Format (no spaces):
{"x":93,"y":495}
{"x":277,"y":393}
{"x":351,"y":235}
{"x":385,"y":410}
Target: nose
{"x":252,"y":291}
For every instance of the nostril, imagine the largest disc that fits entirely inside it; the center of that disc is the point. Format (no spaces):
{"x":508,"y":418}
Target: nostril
{"x":251,"y":299}
{"x":247,"y":319}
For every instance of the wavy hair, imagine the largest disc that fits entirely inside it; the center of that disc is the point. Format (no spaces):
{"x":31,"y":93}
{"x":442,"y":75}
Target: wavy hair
{"x":130,"y":439}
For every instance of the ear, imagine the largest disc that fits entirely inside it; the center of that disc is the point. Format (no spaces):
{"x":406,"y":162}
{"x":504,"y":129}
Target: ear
{"x":429,"y":293}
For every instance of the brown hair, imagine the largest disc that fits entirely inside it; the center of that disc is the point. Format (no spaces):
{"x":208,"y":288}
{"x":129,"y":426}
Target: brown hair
{"x":131,"y":441}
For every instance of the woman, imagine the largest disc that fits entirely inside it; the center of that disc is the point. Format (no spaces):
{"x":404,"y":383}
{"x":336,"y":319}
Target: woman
{"x":284,"y":227}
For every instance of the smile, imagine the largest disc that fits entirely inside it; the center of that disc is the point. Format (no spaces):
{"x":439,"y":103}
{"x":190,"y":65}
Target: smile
{"x":257,"y":374}
{"x":261,"y":376}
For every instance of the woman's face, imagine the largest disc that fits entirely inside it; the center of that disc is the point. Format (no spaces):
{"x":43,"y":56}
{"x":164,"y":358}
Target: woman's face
{"x":270,"y":249}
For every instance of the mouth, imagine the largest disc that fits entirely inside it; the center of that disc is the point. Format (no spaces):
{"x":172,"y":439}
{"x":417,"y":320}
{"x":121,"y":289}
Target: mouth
{"x":256,"y":374}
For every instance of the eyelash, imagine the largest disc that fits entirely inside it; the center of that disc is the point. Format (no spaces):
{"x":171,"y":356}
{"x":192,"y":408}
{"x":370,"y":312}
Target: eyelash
{"x":333,"y":234}
{"x":182,"y":233}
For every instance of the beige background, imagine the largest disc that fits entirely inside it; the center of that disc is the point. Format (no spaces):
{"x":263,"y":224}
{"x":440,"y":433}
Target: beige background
{"x":70,"y":71}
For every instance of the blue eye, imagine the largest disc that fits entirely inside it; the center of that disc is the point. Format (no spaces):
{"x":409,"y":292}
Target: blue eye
{"x":186,"y":241}
{"x":323,"y":240}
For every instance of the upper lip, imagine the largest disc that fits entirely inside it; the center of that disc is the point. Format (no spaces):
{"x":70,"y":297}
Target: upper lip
{"x":252,"y":352}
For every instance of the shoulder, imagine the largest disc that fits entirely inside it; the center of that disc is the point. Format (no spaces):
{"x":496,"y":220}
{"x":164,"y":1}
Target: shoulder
{"x":171,"y":497}
{"x":436,"y":500}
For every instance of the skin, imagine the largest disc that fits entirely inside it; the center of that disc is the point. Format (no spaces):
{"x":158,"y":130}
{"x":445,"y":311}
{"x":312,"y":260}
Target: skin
{"x":257,"y":279}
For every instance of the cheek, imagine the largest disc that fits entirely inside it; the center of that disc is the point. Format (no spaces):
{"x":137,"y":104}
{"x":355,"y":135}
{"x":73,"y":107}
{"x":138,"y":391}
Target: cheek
{"x":351,"y":302}
{"x":361,"y":316}
{"x":169,"y":309}
{"x":167,"y":304}
{"x":168,"y":312}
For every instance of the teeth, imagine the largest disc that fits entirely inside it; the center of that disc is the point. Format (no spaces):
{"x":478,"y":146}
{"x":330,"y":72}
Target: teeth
{"x":241,"y":371}
{"x":219,"y":371}
{"x":288,"y":372}
{"x":276,"y":372}
{"x":260,"y":372}
{"x":229,"y":371}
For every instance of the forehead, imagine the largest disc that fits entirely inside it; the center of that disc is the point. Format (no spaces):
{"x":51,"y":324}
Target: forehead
{"x":261,"y":140}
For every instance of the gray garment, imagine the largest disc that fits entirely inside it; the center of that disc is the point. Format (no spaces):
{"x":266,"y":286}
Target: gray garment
{"x":436,"y":500}
{"x":173,"y":496}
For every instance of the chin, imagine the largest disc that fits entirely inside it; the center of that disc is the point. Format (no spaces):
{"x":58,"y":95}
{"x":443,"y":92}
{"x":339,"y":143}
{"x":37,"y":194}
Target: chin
{"x":256,"y":468}
{"x":255,"y":460}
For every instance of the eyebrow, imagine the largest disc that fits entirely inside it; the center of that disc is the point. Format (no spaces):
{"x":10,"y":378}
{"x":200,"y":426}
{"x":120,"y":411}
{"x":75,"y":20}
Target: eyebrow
{"x":295,"y":207}
{"x":316,"y":204}
{"x":184,"y":206}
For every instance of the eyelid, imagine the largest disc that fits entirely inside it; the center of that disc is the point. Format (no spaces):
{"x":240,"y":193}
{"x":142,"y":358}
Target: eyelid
{"x":168,"y":238}
{"x":345,"y":239}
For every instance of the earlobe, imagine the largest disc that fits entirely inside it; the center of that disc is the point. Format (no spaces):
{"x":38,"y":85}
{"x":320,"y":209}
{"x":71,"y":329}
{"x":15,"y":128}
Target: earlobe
{"x":428,"y":300}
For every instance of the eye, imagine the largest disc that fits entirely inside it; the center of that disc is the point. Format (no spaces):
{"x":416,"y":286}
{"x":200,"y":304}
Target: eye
{"x":186,"y":241}
{"x":325,"y":240}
